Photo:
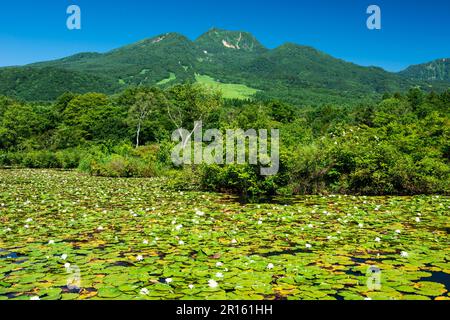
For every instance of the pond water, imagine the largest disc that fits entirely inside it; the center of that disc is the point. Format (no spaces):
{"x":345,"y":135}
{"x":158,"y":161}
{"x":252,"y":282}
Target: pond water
{"x":126,"y":235}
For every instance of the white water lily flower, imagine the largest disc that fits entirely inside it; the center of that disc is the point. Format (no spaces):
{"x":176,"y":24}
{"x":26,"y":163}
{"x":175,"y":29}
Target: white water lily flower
{"x":260,"y":222}
{"x":144,"y":291}
{"x":51,"y":242}
{"x":199,"y":213}
{"x":219,"y":275}
{"x":398,"y":231}
{"x":270,"y":266}
{"x":308,"y":246}
{"x":212,"y":283}
{"x":191,"y":286}
{"x":367,"y":298}
{"x":35,"y":298}
{"x":417,"y":219}
{"x":29,"y":220}
{"x":377,"y":239}
{"x":100,"y":228}
{"x":145,"y":242}
{"x":404,"y":254}
{"x":26,"y":226}
{"x":67,"y":265}
{"x":139,"y":258}
{"x":361,"y":225}
{"x":310,"y":225}
{"x":64,"y":256}
{"x":234,"y":241}
{"x":219,"y":264}
{"x":169,"y":280}
{"x":181,"y":242}
{"x":178,"y":227}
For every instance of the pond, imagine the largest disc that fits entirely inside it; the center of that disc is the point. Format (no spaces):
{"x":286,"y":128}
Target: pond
{"x":65,"y":235}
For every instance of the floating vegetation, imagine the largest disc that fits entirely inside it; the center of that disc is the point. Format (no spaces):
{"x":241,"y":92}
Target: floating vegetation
{"x":137,"y":239}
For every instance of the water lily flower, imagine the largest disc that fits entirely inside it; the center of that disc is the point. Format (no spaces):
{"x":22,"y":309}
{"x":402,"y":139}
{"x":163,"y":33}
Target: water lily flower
{"x":219,"y":275}
{"x":29,"y":220}
{"x":219,"y":264}
{"x":100,"y":228}
{"x":51,"y":242}
{"x":168,"y":280}
{"x":64,"y":256}
{"x":404,"y":254}
{"x":181,"y":242}
{"x":212,"y":283}
{"x":270,"y":266}
{"x":234,"y":241}
{"x":398,"y":231}
{"x":199,"y":213}
{"x":26,"y":226}
{"x":145,"y":242}
{"x":310,"y":225}
{"x":144,"y":291}
{"x":67,"y":265}
{"x":367,"y":298}
{"x":35,"y":298}
{"x":139,"y":258}
{"x":308,"y":246}
{"x":191,"y":286}
{"x":417,"y":219}
{"x":361,"y":225}
{"x":377,"y":239}
{"x":178,"y":227}
{"x":260,"y":222}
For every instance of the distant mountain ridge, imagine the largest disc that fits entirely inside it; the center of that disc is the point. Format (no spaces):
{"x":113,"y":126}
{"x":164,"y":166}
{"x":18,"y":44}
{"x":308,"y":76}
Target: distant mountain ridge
{"x":290,"y":72}
{"x":437,"y":70}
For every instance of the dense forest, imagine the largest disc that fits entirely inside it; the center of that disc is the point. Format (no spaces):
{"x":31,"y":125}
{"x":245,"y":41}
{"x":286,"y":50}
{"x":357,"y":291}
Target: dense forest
{"x":397,"y":145}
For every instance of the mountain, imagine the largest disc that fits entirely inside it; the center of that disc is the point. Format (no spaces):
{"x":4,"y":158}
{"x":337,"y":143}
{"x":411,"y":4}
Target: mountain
{"x":233,"y":61}
{"x":437,"y":70}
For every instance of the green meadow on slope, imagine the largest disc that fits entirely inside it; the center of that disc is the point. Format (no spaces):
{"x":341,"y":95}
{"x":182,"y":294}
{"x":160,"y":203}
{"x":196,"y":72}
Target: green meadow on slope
{"x":228,"y":90}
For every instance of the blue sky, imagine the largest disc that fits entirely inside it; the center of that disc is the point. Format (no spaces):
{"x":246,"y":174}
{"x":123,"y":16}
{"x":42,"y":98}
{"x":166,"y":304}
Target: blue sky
{"x":413,"y":31}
